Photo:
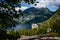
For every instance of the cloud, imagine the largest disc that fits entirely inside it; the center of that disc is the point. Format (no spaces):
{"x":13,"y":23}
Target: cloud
{"x":52,"y":5}
{"x":45,"y":3}
{"x":22,"y":8}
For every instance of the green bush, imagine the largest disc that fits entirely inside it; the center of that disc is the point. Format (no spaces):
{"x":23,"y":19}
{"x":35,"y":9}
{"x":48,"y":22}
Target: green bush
{"x":35,"y":31}
{"x":53,"y":34}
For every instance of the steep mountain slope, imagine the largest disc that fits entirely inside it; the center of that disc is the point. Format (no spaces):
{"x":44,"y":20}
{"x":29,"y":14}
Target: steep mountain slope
{"x":33,"y":15}
{"x":38,"y":15}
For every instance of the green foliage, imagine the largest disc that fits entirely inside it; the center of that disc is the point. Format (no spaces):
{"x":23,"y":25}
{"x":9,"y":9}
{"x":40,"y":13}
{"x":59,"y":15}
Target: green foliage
{"x":12,"y":35}
{"x":58,"y":12}
{"x":53,"y":34}
{"x":7,"y":13}
{"x":29,"y":1}
{"x":19,"y":1}
{"x":56,"y":24}
{"x":13,"y":2}
{"x":35,"y":31}
{"x":5,"y":21}
{"x":11,"y":31}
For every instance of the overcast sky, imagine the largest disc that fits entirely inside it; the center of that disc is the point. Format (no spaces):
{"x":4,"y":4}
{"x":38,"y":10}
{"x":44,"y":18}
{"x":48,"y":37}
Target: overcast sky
{"x":52,"y":5}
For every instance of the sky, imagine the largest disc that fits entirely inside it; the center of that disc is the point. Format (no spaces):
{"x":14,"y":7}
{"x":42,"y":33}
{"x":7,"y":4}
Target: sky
{"x":52,"y":5}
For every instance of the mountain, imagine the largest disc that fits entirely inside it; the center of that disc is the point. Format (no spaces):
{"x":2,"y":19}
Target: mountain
{"x":39,"y":15}
{"x":33,"y":15}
